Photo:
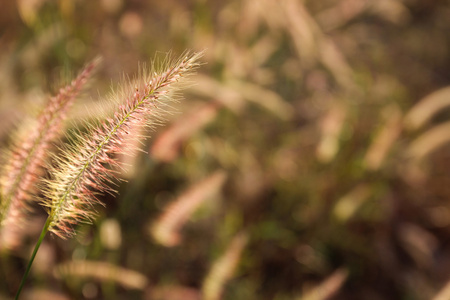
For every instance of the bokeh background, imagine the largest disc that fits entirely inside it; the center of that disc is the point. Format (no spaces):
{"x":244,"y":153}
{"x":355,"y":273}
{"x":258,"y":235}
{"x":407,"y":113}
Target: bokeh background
{"x":309,"y":159}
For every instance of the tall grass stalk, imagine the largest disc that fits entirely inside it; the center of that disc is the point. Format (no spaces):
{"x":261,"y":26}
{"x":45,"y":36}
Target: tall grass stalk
{"x":87,"y":166}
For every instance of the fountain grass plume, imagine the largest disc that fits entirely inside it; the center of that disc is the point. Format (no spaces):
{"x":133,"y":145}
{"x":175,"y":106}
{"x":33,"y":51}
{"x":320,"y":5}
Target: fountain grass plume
{"x":87,"y":166}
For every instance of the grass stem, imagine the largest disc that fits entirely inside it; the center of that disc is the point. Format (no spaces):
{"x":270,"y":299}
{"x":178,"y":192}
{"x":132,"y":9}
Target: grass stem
{"x":36,"y":248}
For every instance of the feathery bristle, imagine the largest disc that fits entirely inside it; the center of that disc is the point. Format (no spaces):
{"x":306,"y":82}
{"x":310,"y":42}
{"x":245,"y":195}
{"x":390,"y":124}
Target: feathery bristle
{"x":88,"y":166}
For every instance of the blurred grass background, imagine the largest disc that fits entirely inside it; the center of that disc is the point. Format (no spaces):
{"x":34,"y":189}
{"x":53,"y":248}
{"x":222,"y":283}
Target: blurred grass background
{"x":309,"y":160}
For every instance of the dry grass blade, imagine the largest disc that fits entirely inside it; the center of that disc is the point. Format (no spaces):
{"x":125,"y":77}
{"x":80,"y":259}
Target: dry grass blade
{"x":102,"y":271}
{"x":426,"y":108}
{"x":223,"y":268}
{"x":312,"y":44}
{"x":419,"y":243}
{"x":173,"y":292}
{"x":444,"y":293}
{"x":328,"y":287}
{"x":265,"y":98}
{"x":331,"y":130}
{"x":348,"y":205}
{"x":429,"y":141}
{"x":385,"y":138}
{"x":166,"y":229}
{"x":166,"y":147}
{"x":341,"y":13}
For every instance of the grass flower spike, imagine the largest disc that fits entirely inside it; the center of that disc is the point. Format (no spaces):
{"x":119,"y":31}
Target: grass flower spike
{"x":27,"y":157}
{"x":88,"y":166}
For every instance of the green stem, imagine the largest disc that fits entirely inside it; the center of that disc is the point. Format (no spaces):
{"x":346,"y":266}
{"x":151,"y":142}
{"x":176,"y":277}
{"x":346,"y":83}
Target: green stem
{"x":36,"y":248}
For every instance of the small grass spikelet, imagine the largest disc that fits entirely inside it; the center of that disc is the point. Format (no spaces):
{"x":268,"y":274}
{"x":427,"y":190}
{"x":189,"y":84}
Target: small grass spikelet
{"x":88,"y":166}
